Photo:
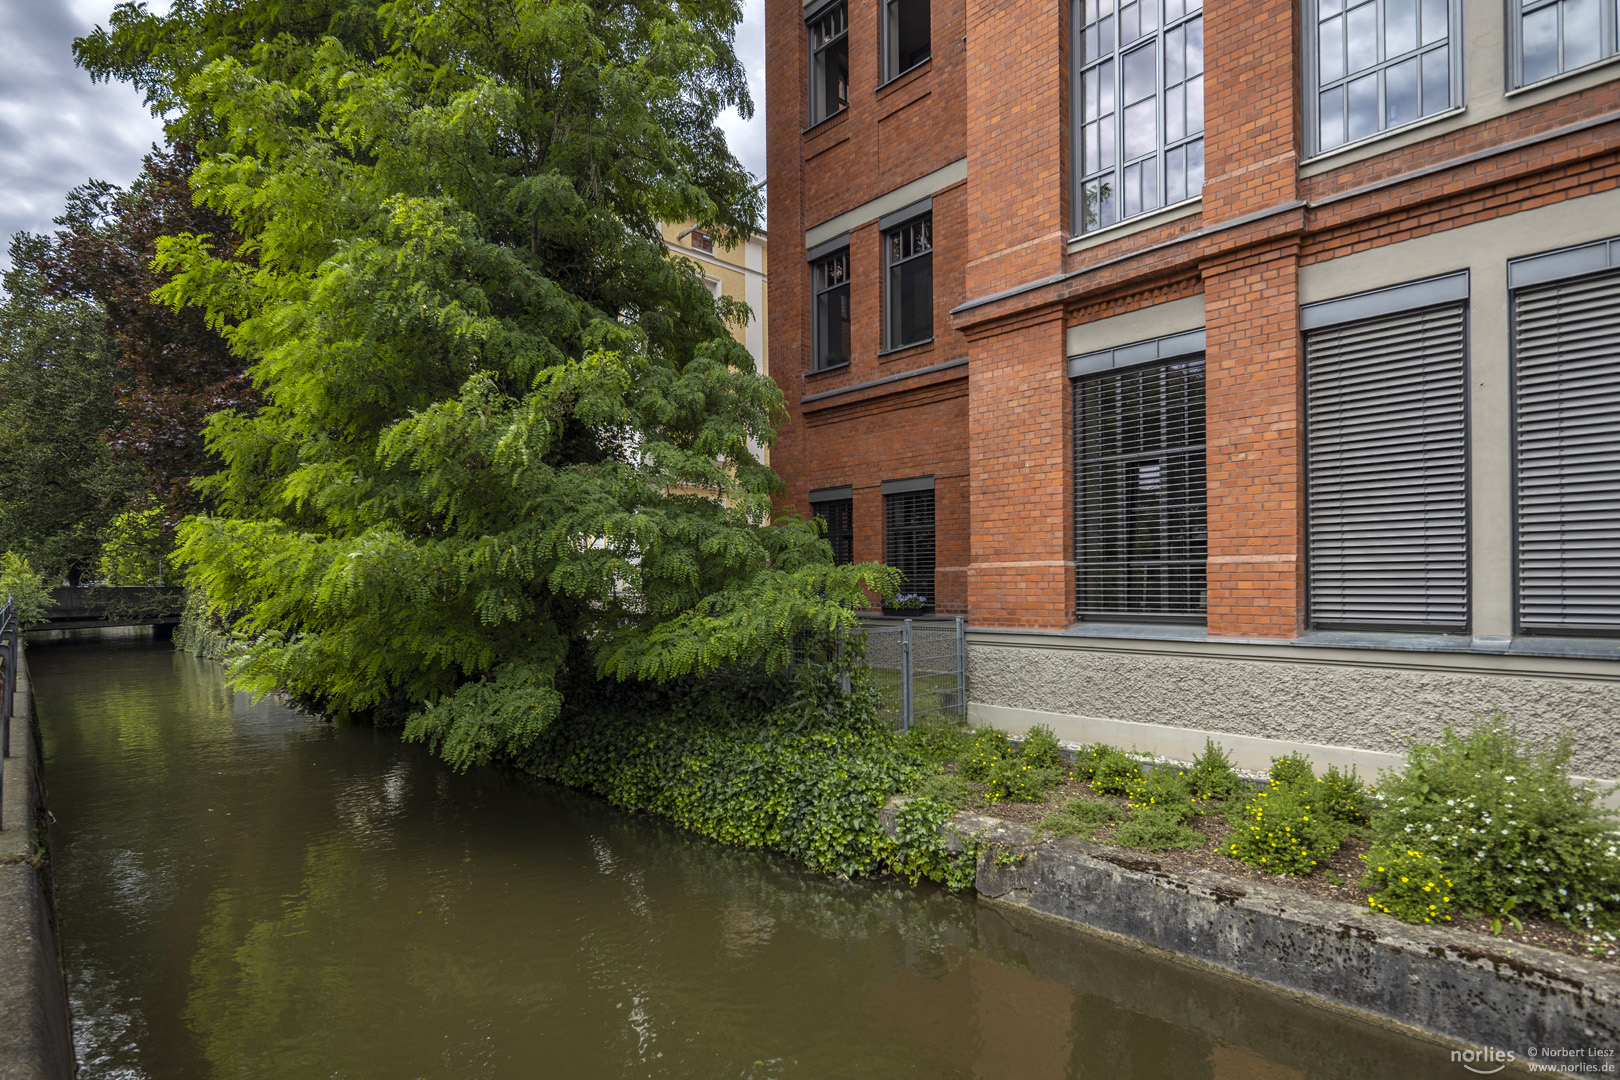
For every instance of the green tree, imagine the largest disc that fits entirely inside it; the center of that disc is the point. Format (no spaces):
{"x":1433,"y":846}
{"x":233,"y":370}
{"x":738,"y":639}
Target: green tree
{"x":59,"y":484}
{"x":488,"y":392}
{"x":24,"y":588}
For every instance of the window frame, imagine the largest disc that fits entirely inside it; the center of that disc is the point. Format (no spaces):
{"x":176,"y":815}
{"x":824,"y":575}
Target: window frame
{"x":814,"y":54}
{"x":1310,"y":67}
{"x":818,"y":347}
{"x":1176,"y":351}
{"x":1081,"y":65}
{"x":1609,"y":33}
{"x":891,"y":294}
{"x":888,"y":23}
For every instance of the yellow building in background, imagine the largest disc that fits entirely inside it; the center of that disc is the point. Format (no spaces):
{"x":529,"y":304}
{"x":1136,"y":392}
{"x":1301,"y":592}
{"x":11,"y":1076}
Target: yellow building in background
{"x":740,"y":272}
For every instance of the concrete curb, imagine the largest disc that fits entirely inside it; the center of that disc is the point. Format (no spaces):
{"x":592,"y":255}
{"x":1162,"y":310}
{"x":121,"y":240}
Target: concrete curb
{"x":1466,"y":990}
{"x":36,"y":1039}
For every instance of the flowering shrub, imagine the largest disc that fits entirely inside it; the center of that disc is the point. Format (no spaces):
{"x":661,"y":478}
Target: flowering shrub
{"x":1409,"y":884}
{"x":1508,"y":826}
{"x":1344,"y":796}
{"x":1111,"y":772}
{"x":1163,"y":789}
{"x":988,"y":746}
{"x":907,"y":602}
{"x":1212,"y":775}
{"x":1285,"y":830}
{"x":1293,"y":769}
{"x":1041,"y":748}
{"x":1015,"y":780}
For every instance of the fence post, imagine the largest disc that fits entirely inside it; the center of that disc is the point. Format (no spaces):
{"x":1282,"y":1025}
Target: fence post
{"x":905,"y":677}
{"x":961,"y":665}
{"x":843,"y":666}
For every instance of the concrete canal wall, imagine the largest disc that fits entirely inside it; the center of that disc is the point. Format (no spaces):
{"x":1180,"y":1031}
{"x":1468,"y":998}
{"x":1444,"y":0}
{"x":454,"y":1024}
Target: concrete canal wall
{"x":36,"y":1041}
{"x":1473,"y":992}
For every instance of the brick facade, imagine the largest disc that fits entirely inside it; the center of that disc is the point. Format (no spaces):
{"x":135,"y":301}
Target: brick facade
{"x":1010,"y":281}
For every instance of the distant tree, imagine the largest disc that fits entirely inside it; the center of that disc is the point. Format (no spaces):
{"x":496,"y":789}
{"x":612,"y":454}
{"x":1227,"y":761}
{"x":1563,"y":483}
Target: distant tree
{"x":488,"y":389}
{"x":173,"y":369}
{"x":59,"y":482}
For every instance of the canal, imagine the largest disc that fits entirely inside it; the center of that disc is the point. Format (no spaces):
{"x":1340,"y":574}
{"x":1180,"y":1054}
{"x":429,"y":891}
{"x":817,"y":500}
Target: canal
{"x":245,"y":892}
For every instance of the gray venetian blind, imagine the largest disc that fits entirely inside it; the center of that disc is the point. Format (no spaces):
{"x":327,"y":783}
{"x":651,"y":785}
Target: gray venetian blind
{"x":1566,"y":389}
{"x":1387,"y":472}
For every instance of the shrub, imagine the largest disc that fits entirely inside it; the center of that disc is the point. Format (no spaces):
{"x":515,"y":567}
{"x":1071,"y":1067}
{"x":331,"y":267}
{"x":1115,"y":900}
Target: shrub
{"x":27,"y":589}
{"x":1154,"y":828}
{"x":1114,"y":772}
{"x":1508,"y":826}
{"x":1166,"y":789}
{"x":1344,"y":796}
{"x":1041,"y":748}
{"x":1284,"y":830}
{"x":986,"y":747}
{"x":1080,"y":817}
{"x":1014,"y":780}
{"x":919,"y":850}
{"x":943,"y":787}
{"x":1293,"y":769}
{"x":1408,"y":884}
{"x":937,"y":741}
{"x":1212,"y":775}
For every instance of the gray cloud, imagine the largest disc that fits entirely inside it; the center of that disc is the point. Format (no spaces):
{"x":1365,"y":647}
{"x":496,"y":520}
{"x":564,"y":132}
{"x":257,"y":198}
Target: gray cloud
{"x":57,"y":128}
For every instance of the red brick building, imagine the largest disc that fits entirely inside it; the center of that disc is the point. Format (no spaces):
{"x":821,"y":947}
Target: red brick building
{"x":1251,"y":372}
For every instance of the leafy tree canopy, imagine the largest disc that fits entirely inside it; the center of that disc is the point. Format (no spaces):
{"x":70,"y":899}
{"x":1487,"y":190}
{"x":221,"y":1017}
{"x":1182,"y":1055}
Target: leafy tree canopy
{"x":501,"y":428}
{"x":59,"y":483}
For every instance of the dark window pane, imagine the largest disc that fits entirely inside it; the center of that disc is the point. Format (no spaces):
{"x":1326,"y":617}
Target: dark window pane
{"x":913,"y":287}
{"x":911,"y":34}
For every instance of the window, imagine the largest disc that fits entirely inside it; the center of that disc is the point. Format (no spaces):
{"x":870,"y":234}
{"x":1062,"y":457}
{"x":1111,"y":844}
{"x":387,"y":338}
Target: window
{"x":905,"y":36}
{"x":1141,"y":101}
{"x":829,"y":331}
{"x":909,"y":306}
{"x":1376,"y":65}
{"x":908,"y":534}
{"x":829,"y":63}
{"x":1551,"y":37}
{"x":702,"y":241}
{"x":1566,"y":440}
{"x":836,"y":508}
{"x":1386,"y":388}
{"x":1140,"y":533}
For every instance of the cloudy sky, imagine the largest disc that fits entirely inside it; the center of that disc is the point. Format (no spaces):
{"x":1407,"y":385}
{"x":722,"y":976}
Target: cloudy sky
{"x":57,"y":129}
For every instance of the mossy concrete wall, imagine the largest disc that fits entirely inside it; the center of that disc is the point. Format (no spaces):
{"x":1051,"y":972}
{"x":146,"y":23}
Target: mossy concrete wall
{"x":1461,"y":988}
{"x":36,"y":1041}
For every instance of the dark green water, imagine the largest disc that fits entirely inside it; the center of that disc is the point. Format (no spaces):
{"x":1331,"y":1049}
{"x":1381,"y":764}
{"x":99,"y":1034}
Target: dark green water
{"x":247,"y":893}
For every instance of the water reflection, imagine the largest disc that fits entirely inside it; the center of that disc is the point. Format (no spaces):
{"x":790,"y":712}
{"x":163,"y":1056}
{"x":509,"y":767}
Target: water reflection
{"x":249,"y":894}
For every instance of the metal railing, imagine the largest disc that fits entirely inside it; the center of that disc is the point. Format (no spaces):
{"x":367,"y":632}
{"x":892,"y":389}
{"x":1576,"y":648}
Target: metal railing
{"x":10,"y":643}
{"x":920,"y":666}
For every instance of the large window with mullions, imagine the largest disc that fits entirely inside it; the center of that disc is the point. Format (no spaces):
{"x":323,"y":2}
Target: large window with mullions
{"x":1139,"y":96}
{"x":1376,"y":65}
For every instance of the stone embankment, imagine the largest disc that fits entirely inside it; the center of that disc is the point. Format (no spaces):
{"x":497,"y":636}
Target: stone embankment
{"x":1476,"y":993}
{"x":36,"y":1041}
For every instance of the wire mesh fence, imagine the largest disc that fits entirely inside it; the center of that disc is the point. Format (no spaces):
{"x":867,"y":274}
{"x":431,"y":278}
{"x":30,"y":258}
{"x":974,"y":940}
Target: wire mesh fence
{"x":920,"y":667}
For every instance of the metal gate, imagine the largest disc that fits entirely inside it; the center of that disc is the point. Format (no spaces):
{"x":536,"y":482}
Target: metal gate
{"x":920,"y":666}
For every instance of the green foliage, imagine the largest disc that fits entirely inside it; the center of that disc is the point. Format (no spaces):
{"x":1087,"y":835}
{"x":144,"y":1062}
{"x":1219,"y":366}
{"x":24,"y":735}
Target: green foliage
{"x":934,"y":742}
{"x":1508,"y":826}
{"x":945,"y":788}
{"x":922,"y":851}
{"x":1408,"y":884}
{"x":1013,"y":779}
{"x":1080,"y":817}
{"x":1212,"y":775}
{"x":1041,"y":749}
{"x":202,"y":631}
{"x":504,"y":434}
{"x":1168,"y":790}
{"x":59,"y":484}
{"x":27,"y":589}
{"x":1293,"y":769}
{"x":1156,"y":828}
{"x":135,"y":547}
{"x":1344,"y":795}
{"x":1113,"y":772}
{"x":1285,"y":830}
{"x":987,"y":747}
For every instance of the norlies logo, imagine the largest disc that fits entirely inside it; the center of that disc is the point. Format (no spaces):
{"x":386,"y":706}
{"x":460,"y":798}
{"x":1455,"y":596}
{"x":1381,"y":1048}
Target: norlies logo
{"x":1484,"y":1061}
